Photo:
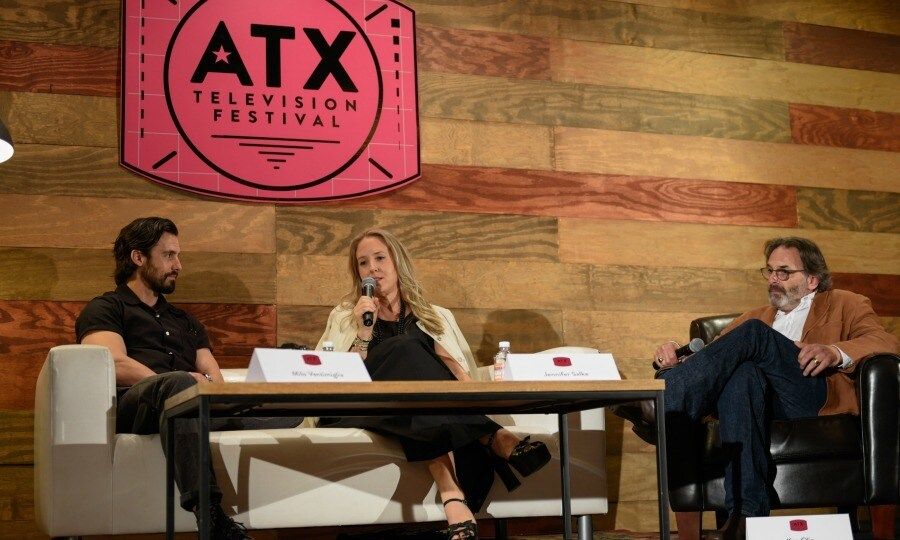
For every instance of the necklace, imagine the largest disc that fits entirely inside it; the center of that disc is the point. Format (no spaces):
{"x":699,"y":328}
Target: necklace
{"x":401,"y":325}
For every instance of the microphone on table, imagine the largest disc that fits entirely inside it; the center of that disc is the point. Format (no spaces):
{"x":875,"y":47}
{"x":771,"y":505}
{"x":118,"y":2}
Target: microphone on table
{"x":368,"y":289}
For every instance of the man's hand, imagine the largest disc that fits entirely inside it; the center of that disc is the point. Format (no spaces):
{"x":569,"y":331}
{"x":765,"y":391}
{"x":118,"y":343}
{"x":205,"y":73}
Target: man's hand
{"x":199,"y":377}
{"x":814,"y":358}
{"x":665,"y":355}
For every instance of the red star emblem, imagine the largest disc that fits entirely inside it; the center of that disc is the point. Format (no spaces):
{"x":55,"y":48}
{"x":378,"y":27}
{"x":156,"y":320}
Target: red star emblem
{"x":221,"y":54}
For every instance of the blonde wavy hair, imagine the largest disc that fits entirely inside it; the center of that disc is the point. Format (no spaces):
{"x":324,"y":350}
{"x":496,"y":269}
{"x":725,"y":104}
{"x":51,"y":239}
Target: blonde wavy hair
{"x":410,"y":289}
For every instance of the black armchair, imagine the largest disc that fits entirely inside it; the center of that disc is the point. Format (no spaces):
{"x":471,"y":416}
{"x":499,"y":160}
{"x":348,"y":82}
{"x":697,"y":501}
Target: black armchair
{"x":842,"y":460}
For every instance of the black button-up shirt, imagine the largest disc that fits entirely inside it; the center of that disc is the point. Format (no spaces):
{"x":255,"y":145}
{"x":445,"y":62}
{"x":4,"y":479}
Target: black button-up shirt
{"x":163,"y":338}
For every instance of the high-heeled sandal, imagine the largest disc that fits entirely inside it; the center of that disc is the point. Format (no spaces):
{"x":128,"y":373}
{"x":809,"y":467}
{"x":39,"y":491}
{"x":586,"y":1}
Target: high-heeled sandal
{"x":527,"y":458}
{"x":463,"y":530}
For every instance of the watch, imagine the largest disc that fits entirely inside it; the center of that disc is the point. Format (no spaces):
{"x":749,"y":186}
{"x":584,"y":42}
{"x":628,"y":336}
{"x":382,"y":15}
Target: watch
{"x":208,"y":378}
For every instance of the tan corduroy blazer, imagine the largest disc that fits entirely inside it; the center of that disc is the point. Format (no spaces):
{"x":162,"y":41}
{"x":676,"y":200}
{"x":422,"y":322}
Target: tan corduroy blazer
{"x":840,"y":318}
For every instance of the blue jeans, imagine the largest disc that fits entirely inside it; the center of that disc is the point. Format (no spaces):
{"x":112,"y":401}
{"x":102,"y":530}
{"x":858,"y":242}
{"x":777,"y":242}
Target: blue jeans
{"x":747,"y":378}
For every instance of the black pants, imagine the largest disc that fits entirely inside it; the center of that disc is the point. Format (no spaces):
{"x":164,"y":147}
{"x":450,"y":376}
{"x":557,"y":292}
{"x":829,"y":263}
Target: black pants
{"x":140,"y":410}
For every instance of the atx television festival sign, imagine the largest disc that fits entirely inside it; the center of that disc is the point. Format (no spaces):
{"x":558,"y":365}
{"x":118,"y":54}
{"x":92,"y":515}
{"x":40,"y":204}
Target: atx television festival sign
{"x":270,"y":100}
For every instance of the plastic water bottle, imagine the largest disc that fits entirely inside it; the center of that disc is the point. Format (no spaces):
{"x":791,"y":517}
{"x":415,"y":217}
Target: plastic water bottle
{"x":500,"y":360}
{"x":328,"y":346}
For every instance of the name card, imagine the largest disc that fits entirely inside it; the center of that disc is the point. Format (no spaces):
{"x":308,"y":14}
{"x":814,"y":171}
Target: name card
{"x":561,"y":367}
{"x":291,"y":365}
{"x":823,"y":527}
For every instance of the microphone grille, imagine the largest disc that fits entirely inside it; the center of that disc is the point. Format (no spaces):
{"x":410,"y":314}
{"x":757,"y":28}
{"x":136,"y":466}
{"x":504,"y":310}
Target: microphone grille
{"x":369,"y":282}
{"x":696,"y":344}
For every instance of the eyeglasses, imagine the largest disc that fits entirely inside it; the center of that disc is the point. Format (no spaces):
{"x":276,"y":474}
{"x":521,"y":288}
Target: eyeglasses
{"x":781,"y":274}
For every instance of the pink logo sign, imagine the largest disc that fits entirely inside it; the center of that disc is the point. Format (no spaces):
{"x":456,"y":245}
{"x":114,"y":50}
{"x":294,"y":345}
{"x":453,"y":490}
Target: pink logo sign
{"x":282,"y":100}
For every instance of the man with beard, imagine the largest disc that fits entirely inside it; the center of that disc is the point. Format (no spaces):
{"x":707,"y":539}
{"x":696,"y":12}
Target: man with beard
{"x":158,"y":351}
{"x":791,"y":359}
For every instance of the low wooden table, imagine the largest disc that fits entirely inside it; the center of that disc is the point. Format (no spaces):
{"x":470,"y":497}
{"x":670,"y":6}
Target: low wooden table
{"x":207,"y":400}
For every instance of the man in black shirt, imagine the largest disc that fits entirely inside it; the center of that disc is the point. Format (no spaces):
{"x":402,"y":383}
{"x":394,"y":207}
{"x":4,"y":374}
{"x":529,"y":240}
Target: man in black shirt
{"x":159,"y":350}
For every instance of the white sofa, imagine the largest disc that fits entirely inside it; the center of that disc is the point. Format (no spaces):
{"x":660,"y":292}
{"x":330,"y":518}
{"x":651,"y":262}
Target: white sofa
{"x":89,"y":480}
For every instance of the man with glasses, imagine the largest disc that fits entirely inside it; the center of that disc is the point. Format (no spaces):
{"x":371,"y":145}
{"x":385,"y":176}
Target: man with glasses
{"x":790,"y":359}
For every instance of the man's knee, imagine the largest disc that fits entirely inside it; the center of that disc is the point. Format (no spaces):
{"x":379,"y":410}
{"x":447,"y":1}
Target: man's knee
{"x":173,"y":382}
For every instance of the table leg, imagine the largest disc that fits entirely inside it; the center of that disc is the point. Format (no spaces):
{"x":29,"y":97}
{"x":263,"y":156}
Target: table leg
{"x":170,"y":478}
{"x":662,"y":473}
{"x":203,"y":509}
{"x":564,"y":473}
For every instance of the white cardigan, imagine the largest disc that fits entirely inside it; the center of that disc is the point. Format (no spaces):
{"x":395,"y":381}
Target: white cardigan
{"x":341,"y":331}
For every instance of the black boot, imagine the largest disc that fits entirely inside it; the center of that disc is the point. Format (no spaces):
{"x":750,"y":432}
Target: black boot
{"x":223,"y":527}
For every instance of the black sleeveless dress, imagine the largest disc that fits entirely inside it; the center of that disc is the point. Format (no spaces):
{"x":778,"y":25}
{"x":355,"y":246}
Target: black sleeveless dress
{"x":408,"y":354}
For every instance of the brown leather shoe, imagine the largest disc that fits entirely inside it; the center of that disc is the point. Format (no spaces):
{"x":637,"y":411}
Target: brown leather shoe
{"x":734,"y":529}
{"x":642,"y":415}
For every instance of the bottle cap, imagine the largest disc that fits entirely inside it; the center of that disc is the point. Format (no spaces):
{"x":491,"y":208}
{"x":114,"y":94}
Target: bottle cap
{"x":328,"y":345}
{"x":504,"y":344}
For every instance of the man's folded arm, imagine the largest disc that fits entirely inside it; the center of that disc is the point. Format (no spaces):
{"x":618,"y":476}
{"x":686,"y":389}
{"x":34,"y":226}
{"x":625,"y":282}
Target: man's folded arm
{"x":206,"y":364}
{"x":128,"y":370}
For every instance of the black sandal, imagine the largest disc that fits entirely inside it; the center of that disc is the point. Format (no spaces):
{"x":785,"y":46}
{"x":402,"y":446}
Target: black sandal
{"x":463,"y":530}
{"x":526,"y":458}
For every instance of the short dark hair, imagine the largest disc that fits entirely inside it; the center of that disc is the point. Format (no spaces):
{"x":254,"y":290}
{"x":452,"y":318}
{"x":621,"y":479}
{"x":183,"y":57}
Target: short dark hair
{"x":141,"y":234}
{"x":810,"y":255}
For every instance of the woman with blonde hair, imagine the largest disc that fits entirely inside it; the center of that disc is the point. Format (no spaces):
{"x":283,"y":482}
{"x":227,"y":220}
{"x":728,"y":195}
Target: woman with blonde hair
{"x":412,"y":339}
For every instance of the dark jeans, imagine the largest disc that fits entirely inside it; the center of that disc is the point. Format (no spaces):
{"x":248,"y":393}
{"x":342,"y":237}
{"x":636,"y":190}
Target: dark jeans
{"x":747,"y":378}
{"x":139,"y":410}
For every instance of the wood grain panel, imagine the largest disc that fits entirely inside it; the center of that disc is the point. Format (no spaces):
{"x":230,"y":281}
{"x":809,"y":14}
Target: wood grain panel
{"x":608,"y":331}
{"x":60,"y":119}
{"x":309,"y":280}
{"x":849,"y":128}
{"x":425,"y":235}
{"x":236,"y":329}
{"x":81,"y":274}
{"x":527,"y":330}
{"x":85,"y":22}
{"x":839,"y":209}
{"x":883,"y":290}
{"x":612,"y":22}
{"x":492,"y":99}
{"x":72,"y":69}
{"x":456,"y":142}
{"x":841,"y":47}
{"x":696,"y":73}
{"x":666,"y":289}
{"x":94,"y":222}
{"x":454,"y":50}
{"x":872,"y":15}
{"x":637,"y":476}
{"x":16,"y":494}
{"x":78,"y":171}
{"x":715,"y":246}
{"x":16,"y":438}
{"x":565,"y":194}
{"x":645,"y":154}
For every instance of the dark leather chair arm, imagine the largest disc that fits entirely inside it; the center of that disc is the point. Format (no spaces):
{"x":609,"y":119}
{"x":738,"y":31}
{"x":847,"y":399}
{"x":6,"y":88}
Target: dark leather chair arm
{"x":878,"y":388}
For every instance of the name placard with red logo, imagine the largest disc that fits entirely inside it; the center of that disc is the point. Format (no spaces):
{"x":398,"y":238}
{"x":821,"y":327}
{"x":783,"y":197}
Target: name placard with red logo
{"x":815,"y":527}
{"x":280,"y":100}
{"x":556,"y":367}
{"x":291,"y":365}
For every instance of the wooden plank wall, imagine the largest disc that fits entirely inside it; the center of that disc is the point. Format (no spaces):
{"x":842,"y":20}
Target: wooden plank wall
{"x":596,"y":173}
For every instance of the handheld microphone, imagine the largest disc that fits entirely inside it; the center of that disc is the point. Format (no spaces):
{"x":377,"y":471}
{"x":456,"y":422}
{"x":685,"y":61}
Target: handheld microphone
{"x":682,"y":352}
{"x":686,"y":350}
{"x":368,"y":289}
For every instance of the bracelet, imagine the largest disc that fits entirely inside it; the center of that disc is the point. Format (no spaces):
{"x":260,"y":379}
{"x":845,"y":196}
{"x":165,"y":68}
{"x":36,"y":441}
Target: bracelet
{"x":208,"y":377}
{"x":361,"y":344}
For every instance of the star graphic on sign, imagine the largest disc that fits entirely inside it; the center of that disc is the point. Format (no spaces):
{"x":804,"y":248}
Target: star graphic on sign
{"x":221,"y":54}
